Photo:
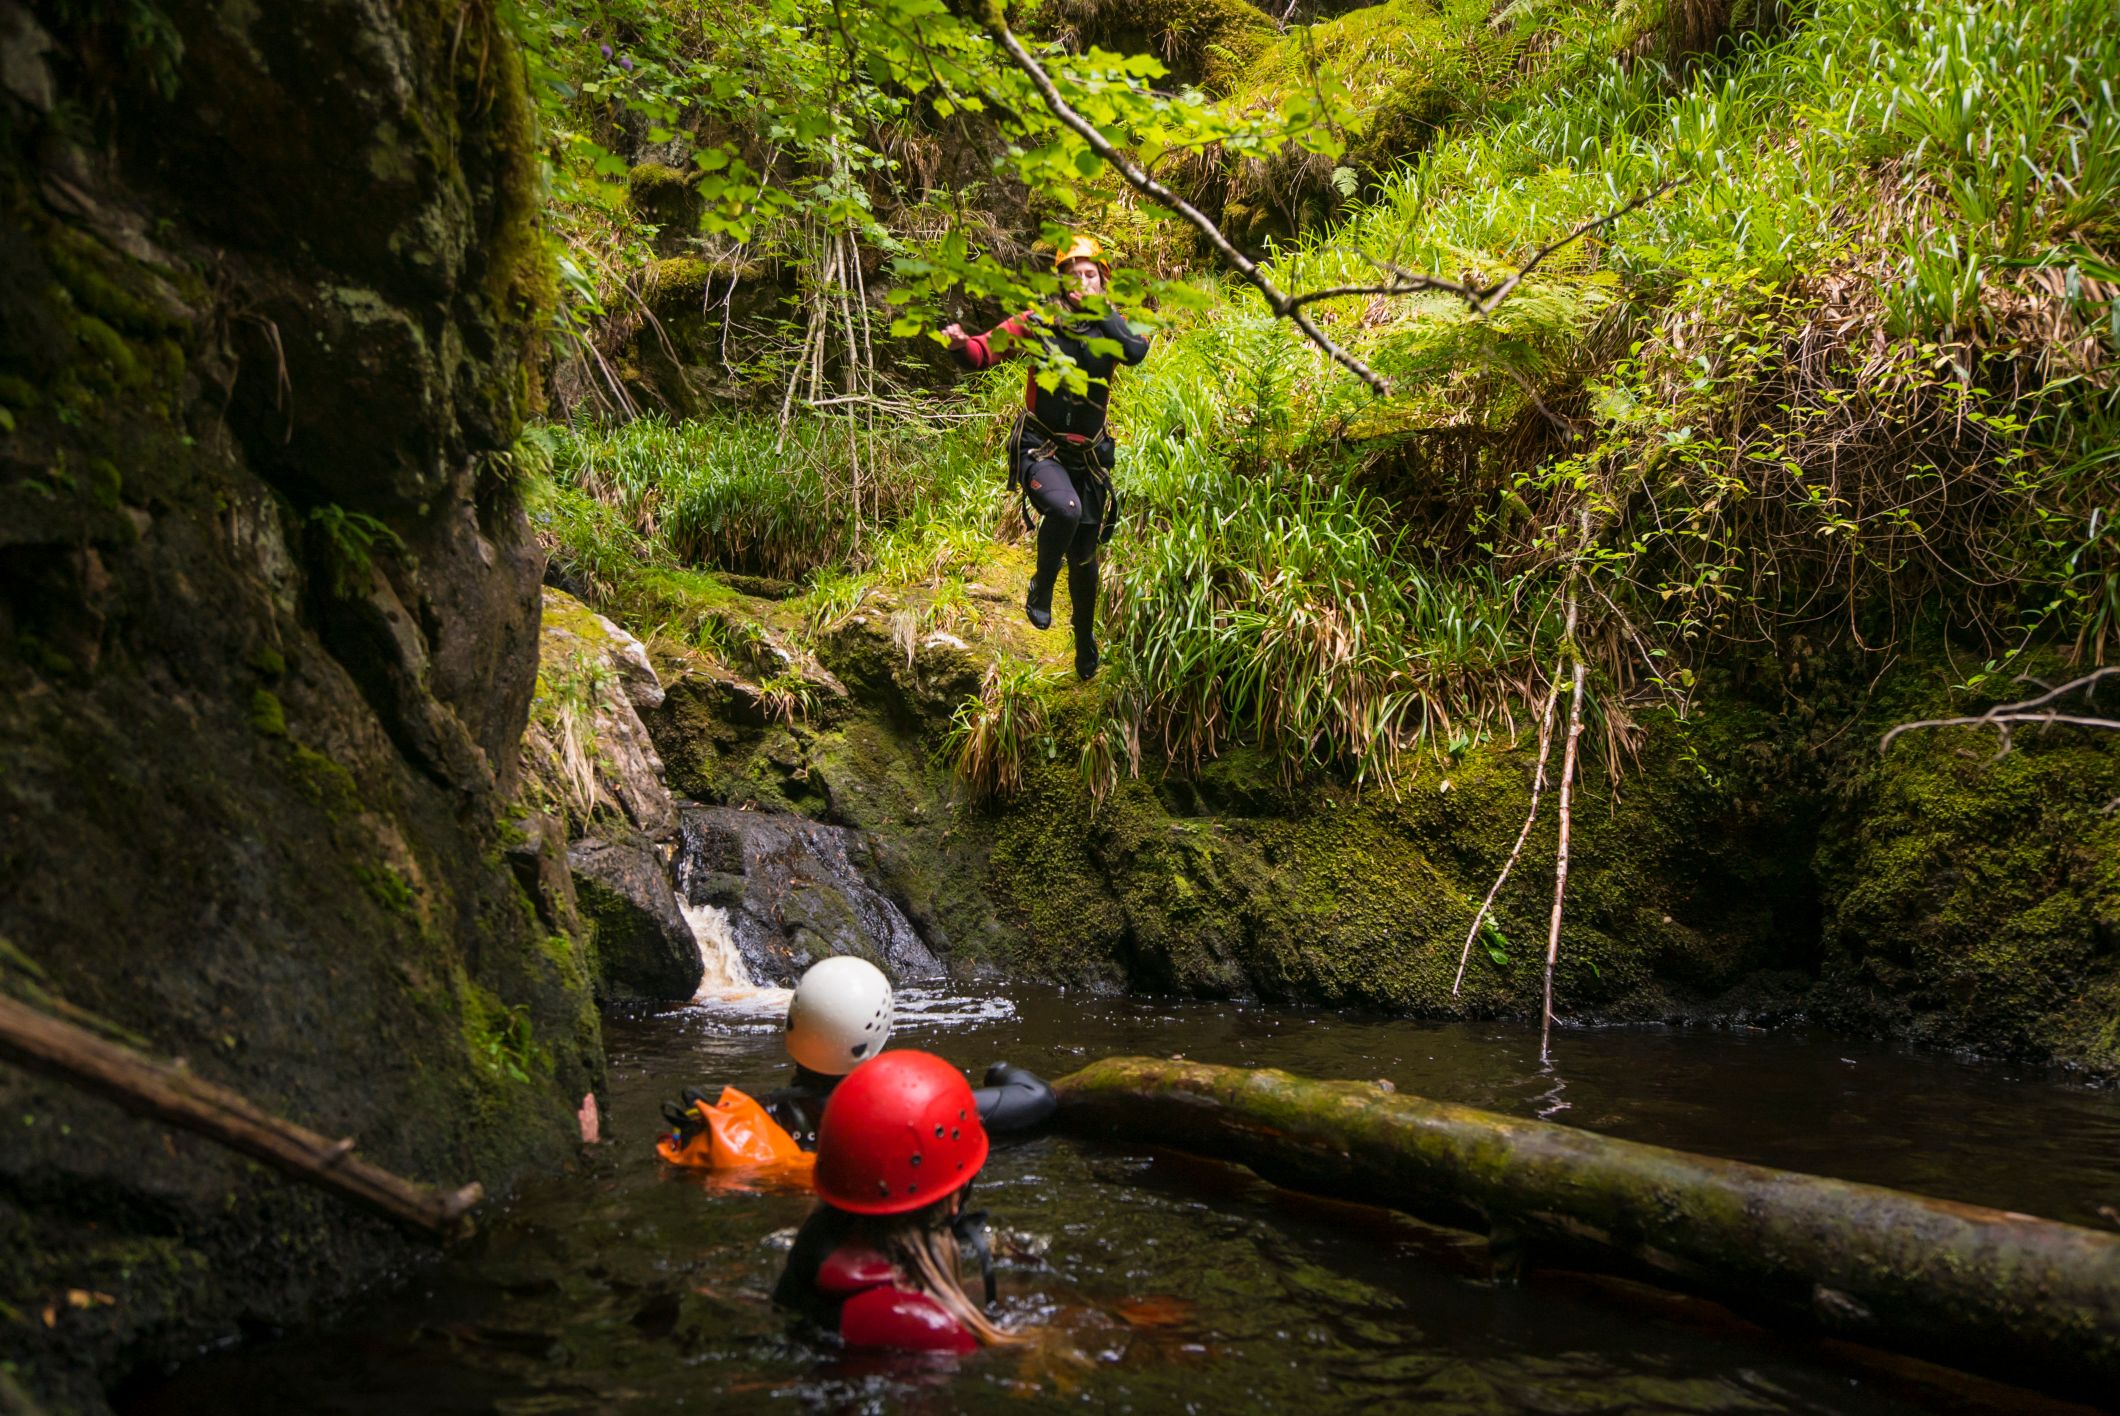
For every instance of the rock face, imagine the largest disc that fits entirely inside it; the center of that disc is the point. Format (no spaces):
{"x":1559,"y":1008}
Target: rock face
{"x":644,"y":948}
{"x":796,"y":891}
{"x":268,"y":611}
{"x":589,"y":757}
{"x":1973,"y":900}
{"x":1757,"y":862}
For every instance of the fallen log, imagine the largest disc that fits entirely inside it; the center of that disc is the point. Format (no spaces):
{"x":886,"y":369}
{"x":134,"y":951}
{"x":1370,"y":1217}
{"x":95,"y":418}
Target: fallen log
{"x":168,"y":1093}
{"x":2028,"y":1300}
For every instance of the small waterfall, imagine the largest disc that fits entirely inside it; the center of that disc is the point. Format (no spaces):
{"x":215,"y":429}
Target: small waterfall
{"x":724,"y":978}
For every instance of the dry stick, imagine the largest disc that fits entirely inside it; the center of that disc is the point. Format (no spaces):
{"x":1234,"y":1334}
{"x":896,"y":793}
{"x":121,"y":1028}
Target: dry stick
{"x":1538,"y":785}
{"x":1560,"y":862}
{"x":41,"y":1043}
{"x":1481,"y":299}
{"x":852,"y":378}
{"x":2003,"y":716}
{"x":868,"y":360}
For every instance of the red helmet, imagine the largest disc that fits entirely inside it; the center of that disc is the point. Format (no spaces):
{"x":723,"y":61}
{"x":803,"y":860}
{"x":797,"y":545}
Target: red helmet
{"x":901,"y":1131}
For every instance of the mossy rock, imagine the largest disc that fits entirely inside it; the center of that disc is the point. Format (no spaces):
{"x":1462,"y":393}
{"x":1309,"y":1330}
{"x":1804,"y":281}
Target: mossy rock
{"x":1973,"y":900}
{"x":664,"y":196}
{"x":679,"y":284}
{"x":1209,"y":43}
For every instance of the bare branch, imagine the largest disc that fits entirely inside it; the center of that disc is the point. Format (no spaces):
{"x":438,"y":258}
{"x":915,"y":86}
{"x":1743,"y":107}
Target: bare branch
{"x":1480,"y":299}
{"x":2004,"y":717}
{"x":1538,"y":787}
{"x":1163,"y":196}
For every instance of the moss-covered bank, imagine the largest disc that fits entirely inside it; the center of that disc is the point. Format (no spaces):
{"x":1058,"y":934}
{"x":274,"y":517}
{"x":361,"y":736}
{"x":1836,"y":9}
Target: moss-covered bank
{"x":1759,"y":861}
{"x":268,"y":614}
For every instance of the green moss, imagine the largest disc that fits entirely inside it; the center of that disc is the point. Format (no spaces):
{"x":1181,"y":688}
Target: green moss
{"x":500,"y":1038}
{"x":106,"y":285}
{"x":679,"y":282}
{"x":654,"y":188}
{"x":268,"y":661}
{"x":325,"y":782}
{"x":567,"y":615}
{"x":389,"y":889}
{"x":108,"y":347}
{"x":1973,"y":901}
{"x":267,"y":715}
{"x":1206,"y":42}
{"x":18,"y":392}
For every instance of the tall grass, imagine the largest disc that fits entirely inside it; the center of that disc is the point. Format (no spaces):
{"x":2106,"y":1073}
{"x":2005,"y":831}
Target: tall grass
{"x":734,"y":492}
{"x":1853,"y":369}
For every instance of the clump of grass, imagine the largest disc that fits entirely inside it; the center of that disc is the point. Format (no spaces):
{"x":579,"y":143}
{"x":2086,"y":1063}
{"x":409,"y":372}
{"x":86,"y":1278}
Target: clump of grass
{"x":1290,"y":617}
{"x":563,"y":758}
{"x":736,"y":492}
{"x":997,"y":731}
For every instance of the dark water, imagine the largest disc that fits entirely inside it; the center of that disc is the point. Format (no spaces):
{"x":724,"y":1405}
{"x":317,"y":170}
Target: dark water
{"x":1167,"y":1284}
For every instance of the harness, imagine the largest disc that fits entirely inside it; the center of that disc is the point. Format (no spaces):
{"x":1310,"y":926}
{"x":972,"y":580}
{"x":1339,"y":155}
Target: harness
{"x":1089,"y":456}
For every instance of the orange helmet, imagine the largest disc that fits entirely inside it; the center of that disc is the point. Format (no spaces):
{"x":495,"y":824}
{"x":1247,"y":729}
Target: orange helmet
{"x":1082,"y":247}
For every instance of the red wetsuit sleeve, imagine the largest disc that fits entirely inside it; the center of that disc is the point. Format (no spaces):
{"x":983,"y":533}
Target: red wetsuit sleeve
{"x":977,"y":350}
{"x":893,"y":1317}
{"x":853,"y":1268}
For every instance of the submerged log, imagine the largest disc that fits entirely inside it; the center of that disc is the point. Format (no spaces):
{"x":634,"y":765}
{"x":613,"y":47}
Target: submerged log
{"x":2027,"y":1300}
{"x":165,"y":1092}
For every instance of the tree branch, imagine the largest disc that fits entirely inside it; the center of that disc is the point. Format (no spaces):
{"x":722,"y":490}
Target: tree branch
{"x":1480,"y":299}
{"x":2004,"y":717}
{"x":169,"y":1094}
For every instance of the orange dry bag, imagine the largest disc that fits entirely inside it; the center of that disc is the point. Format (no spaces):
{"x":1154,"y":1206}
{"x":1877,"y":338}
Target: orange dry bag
{"x":738,"y":1135}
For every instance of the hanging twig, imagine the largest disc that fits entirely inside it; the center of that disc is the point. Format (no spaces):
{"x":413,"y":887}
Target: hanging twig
{"x":1480,"y":299}
{"x":1560,"y":860}
{"x":2004,"y":717}
{"x":35,"y":1040}
{"x":1538,"y":785}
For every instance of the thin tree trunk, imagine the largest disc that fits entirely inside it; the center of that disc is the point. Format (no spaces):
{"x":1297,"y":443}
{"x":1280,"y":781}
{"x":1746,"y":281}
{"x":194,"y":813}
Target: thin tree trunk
{"x":1560,"y":860}
{"x":35,"y":1040}
{"x":2027,"y":1300}
{"x":1538,"y":786}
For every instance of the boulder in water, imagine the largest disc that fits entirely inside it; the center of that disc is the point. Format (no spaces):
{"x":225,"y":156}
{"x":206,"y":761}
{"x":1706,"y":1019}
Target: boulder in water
{"x":796,"y":891}
{"x":645,"y":948}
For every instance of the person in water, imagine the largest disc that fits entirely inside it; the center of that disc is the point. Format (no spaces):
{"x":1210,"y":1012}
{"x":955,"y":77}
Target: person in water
{"x":876,"y":1262}
{"x":840,"y":1015}
{"x":1060,"y":455}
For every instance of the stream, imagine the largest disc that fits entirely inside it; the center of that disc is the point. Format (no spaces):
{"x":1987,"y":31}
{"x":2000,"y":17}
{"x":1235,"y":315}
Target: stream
{"x":1163,"y":1283}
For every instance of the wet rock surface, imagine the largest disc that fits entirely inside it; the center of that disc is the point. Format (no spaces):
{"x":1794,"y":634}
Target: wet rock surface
{"x":268,"y":617}
{"x":795,"y":891}
{"x":644,"y":948}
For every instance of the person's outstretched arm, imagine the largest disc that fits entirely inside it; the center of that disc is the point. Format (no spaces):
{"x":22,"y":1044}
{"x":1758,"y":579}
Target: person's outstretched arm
{"x":1014,"y":1099}
{"x":1134,"y":347}
{"x":977,"y":351}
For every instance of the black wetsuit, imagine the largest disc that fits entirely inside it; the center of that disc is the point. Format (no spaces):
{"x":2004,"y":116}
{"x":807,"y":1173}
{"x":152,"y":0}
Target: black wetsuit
{"x":1012,"y":1101}
{"x":1062,"y":458}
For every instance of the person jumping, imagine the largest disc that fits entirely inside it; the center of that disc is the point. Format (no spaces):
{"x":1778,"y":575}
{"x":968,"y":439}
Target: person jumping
{"x":1060,"y":454}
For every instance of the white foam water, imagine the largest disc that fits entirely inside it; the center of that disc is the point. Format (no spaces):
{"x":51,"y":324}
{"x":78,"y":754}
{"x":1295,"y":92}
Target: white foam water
{"x":726,"y":988}
{"x":932,"y":1008}
{"x":725,"y":984}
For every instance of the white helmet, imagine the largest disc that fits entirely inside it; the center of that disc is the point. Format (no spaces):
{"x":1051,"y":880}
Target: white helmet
{"x":840,"y":1015}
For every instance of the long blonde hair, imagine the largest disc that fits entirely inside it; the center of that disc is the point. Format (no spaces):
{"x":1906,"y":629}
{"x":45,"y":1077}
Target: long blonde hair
{"x":922,"y":1247}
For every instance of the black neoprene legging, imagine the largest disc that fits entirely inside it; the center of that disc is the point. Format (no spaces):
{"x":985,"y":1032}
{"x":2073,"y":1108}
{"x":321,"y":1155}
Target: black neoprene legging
{"x":1071,"y":513}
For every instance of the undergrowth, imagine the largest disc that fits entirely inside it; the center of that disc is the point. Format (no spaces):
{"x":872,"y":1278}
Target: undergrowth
{"x":1854,"y":374}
